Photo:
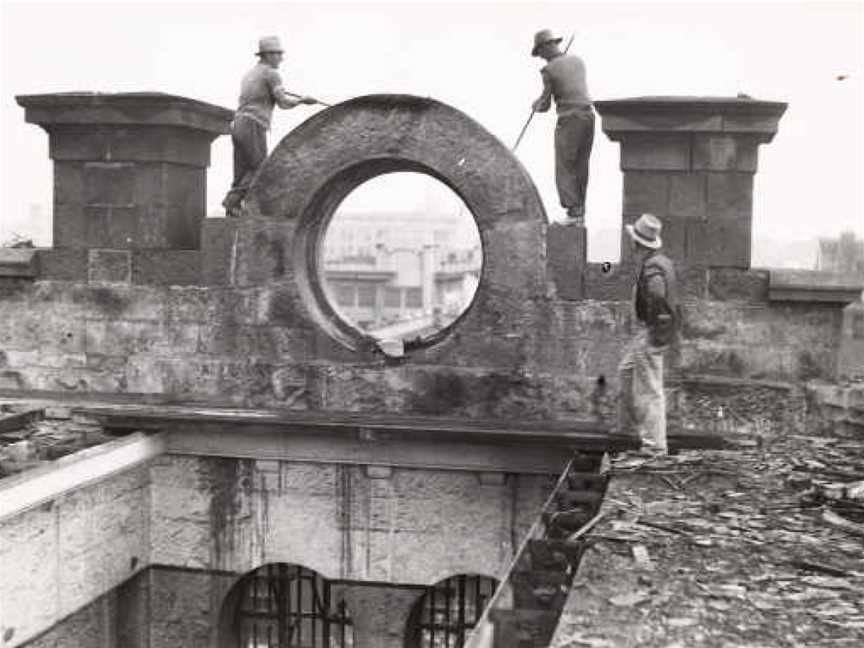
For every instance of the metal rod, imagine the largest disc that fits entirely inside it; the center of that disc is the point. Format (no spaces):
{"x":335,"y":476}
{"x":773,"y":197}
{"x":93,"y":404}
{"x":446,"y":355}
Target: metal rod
{"x":531,"y":116}
{"x":461,"y":621}
{"x":447,"y":584}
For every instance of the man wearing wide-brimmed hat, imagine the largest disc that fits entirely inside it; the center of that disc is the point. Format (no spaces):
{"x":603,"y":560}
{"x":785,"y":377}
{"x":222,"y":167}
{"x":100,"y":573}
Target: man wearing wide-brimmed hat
{"x":260,"y":90}
{"x":642,"y":404}
{"x":564,"y":79}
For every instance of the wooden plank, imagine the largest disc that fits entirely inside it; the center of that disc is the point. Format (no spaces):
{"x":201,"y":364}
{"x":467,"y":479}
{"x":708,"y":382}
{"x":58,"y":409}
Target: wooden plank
{"x":18,"y":420}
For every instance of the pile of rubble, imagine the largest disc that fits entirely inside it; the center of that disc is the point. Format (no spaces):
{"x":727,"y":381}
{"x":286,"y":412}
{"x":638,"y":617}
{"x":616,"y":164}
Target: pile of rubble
{"x":32,"y":435}
{"x":762,"y":546}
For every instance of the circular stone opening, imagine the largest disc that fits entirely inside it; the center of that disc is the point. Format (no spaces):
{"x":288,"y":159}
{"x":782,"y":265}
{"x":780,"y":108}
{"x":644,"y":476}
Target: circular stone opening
{"x":400,"y":260}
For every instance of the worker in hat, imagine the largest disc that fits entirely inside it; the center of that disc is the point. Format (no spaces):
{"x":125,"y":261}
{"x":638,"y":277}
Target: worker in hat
{"x":260,"y":90}
{"x":564,"y":79}
{"x":642,"y":404}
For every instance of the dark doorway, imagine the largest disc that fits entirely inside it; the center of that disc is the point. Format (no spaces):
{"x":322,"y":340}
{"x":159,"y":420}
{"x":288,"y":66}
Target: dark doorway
{"x":447,"y":612}
{"x":281,"y":605}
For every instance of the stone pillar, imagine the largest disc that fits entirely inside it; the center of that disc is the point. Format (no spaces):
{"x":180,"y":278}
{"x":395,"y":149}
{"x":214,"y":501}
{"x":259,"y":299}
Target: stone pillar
{"x":129,"y":168}
{"x":691,"y":161}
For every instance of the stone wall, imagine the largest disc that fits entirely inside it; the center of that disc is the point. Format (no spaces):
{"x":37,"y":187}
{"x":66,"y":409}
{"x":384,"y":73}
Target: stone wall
{"x":345,"y":522}
{"x":61,"y":555}
{"x":240,"y":317}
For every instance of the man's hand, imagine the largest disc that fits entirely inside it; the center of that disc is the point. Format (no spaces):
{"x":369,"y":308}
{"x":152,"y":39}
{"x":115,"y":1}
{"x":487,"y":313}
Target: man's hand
{"x":308,"y":100}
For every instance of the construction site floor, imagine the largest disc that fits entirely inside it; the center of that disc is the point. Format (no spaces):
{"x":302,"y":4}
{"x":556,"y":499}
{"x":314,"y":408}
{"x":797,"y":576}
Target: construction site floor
{"x":758,"y":546}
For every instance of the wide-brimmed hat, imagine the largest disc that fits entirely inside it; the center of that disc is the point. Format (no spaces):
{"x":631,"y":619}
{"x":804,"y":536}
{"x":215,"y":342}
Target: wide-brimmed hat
{"x":269,"y":44}
{"x":542,"y":37}
{"x":646,"y":231}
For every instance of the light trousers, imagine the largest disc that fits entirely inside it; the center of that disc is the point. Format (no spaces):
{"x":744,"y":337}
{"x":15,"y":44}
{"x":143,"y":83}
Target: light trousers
{"x":642,"y":403}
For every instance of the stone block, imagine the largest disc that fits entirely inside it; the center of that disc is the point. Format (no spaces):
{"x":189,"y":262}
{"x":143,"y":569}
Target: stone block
{"x":61,"y":264}
{"x":646,"y":191}
{"x":719,"y":243}
{"x":112,"y":227}
{"x":68,"y":183}
{"x":656,"y":152}
{"x":736,"y":284}
{"x":687,"y":195}
{"x":618,"y":126}
{"x":19,"y":263}
{"x":723,"y":152}
{"x":166,"y":267}
{"x":692,"y":280}
{"x":78,"y":143}
{"x":70,"y":226}
{"x":109,"y":266}
{"x":109,"y":183}
{"x":729,"y":195}
{"x":219,"y":237}
{"x":607,"y":284}
{"x":263,"y":251}
{"x":566,"y":252}
{"x":674,"y":236}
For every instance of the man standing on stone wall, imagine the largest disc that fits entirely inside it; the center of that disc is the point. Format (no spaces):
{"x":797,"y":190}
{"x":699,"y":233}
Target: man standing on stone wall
{"x":642,"y":405}
{"x":260,"y":90}
{"x":564,"y":79}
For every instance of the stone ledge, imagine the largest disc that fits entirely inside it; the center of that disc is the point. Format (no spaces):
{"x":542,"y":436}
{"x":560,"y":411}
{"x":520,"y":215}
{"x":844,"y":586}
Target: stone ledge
{"x":19,"y":263}
{"x":153,"y":108}
{"x":813,"y":286}
{"x":691,"y":114}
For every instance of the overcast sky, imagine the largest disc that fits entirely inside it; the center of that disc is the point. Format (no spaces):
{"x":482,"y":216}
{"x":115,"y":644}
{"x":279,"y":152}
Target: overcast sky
{"x":476,"y":58}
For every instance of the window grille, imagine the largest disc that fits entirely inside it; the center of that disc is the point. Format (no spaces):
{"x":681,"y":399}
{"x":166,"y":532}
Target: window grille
{"x":447,"y":612}
{"x":282,"y":606}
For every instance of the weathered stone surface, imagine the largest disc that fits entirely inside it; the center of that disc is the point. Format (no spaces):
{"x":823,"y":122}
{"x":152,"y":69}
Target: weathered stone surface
{"x":166,"y":267}
{"x":646,"y":191}
{"x":130,"y":167}
{"x":730,"y":284}
{"x":812,"y":286}
{"x":61,"y":264}
{"x":651,"y":152}
{"x":687,"y":196}
{"x":608,"y":283}
{"x":60,"y":556}
{"x":566,"y":247}
{"x":110,"y":266}
{"x":724,"y":152}
{"x":19,"y":263}
{"x":231,"y":514}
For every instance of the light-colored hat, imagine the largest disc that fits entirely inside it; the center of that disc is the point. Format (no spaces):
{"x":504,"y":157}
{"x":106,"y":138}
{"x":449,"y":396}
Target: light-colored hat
{"x":269,"y":44}
{"x":646,"y":231}
{"x":542,"y":37}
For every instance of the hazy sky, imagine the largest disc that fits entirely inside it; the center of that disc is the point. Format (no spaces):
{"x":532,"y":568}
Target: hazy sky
{"x":476,"y":57}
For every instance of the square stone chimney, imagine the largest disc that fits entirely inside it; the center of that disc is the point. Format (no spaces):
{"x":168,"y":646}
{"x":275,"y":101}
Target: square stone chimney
{"x":130,"y":169}
{"x":691,"y":161}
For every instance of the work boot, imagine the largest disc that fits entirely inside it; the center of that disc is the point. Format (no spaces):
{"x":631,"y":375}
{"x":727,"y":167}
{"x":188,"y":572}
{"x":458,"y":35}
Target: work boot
{"x":232,"y":203}
{"x":575,"y":216}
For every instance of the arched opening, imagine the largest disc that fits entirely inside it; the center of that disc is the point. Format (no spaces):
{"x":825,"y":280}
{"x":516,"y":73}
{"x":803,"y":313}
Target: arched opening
{"x":447,"y":612}
{"x":400,"y":259}
{"x":281,"y":605}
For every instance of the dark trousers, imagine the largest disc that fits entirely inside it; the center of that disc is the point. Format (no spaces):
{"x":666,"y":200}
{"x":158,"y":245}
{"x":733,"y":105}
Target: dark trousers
{"x":250,"y":149}
{"x":574,"y":137}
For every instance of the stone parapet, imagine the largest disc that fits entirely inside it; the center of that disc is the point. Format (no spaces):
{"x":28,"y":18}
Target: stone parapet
{"x":129,"y":168}
{"x":813,"y":286}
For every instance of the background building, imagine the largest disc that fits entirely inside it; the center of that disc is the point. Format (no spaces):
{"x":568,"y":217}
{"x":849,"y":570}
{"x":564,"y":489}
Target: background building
{"x":401,"y":275}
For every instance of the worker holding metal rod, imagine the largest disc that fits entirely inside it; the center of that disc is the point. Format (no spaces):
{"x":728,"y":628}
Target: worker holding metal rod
{"x":564,"y":79}
{"x":260,"y":90}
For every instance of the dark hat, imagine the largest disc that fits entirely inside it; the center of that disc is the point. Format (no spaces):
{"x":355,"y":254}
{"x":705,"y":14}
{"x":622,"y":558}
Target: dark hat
{"x":542,"y":37}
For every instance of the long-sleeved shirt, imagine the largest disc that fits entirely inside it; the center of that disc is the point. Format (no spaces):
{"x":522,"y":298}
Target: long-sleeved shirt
{"x":564,"y":78}
{"x":260,"y":90}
